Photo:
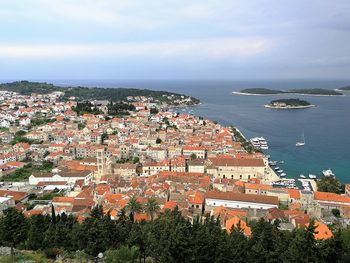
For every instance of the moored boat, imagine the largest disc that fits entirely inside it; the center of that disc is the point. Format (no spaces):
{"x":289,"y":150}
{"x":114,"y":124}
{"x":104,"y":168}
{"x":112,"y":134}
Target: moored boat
{"x":328,"y":172}
{"x":302,"y":142}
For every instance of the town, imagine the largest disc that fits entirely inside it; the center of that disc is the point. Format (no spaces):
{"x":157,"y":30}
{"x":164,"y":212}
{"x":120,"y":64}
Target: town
{"x":68,"y":157}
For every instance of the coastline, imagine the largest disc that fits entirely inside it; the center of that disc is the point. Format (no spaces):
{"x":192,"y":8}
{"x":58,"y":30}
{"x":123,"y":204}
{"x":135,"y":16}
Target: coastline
{"x":289,"y":107}
{"x":287,"y":93}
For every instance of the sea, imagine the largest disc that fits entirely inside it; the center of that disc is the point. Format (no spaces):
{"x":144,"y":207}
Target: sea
{"x":326,"y":127}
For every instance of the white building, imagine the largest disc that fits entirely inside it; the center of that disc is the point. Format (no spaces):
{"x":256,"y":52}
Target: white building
{"x":59,"y":176}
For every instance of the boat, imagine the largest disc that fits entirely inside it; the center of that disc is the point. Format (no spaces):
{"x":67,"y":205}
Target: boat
{"x":277,"y":168}
{"x":281,"y":162}
{"x":302,"y":176}
{"x":312,"y":176}
{"x":283,"y":174}
{"x":280,"y":171}
{"x":328,"y":172}
{"x":302,"y":142}
{"x":272,"y":163}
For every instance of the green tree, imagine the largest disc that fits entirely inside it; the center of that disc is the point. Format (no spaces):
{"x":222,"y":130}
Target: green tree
{"x":154,"y":110}
{"x":13,"y":229}
{"x":38,"y":225}
{"x":133,"y":207}
{"x":193,"y":156}
{"x":152,"y":207}
{"x":124,"y":254}
{"x":303,"y":247}
{"x":330,"y":184}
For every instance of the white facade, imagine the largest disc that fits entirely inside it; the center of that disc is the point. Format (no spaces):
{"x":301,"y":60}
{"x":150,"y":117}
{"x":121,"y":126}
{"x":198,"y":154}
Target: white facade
{"x":196,"y":168}
{"x":33,"y":180}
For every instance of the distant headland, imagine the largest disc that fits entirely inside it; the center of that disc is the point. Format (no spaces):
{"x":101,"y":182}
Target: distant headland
{"x":289,"y":104}
{"x":95,"y":93}
{"x":314,"y":92}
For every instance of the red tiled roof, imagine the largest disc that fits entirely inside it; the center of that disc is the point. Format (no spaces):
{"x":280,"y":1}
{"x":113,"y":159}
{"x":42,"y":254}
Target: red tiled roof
{"x":331,"y":197}
{"x":15,"y":195}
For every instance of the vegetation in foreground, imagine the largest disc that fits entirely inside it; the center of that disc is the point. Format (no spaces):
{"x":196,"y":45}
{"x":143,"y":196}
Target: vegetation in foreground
{"x":168,"y":238}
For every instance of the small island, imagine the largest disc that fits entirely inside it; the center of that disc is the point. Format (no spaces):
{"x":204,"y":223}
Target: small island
{"x":289,"y":104}
{"x":263,"y":91}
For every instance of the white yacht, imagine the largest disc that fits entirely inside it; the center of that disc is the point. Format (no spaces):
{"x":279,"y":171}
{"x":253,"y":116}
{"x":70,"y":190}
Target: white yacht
{"x":302,"y":142}
{"x":328,"y":172}
{"x":312,"y":176}
{"x":272,"y":163}
{"x":302,"y":176}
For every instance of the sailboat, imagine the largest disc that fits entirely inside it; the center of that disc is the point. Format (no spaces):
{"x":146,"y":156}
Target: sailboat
{"x":302,"y":142}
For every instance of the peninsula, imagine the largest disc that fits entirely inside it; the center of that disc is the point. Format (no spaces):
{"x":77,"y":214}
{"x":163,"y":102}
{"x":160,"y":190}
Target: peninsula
{"x":263,"y":91}
{"x":94,"y":93}
{"x":289,"y":104}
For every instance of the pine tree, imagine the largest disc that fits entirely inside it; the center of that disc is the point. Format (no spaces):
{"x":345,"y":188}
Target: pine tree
{"x":13,"y":228}
{"x":38,"y":224}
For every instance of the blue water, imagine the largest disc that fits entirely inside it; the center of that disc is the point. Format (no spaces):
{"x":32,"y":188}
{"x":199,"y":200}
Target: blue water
{"x":326,"y":127}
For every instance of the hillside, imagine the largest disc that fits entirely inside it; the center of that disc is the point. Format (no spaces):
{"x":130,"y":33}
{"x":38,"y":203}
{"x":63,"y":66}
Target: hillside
{"x":85,"y":93}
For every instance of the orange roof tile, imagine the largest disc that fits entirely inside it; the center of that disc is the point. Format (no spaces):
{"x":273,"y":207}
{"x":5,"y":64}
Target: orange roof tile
{"x":258,"y":186}
{"x":331,"y":197}
{"x":169,"y":205}
{"x":141,"y":217}
{"x":235,"y":221}
{"x":294,"y":193}
{"x":322,"y":231}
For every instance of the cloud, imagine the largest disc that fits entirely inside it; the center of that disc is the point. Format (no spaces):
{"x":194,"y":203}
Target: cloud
{"x":207,"y":48}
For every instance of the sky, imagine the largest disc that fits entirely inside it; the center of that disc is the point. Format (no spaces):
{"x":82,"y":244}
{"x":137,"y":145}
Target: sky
{"x":174,"y":39}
